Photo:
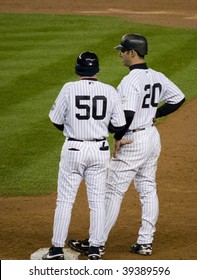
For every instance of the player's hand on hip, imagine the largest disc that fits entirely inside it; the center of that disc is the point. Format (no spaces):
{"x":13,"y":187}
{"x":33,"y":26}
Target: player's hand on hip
{"x":119,"y":144}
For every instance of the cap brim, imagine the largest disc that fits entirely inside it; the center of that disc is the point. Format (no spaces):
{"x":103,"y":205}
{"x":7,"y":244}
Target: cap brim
{"x":119,"y":47}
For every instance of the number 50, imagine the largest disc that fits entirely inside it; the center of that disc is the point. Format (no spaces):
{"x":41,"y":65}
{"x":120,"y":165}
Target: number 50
{"x":87,"y":108}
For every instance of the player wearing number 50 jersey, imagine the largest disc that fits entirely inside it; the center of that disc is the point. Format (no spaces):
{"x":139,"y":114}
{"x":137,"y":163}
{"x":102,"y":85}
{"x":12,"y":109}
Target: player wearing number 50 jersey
{"x":86,"y":110}
{"x":141,"y":91}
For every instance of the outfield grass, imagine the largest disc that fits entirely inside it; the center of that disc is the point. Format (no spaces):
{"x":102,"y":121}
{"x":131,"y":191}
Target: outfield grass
{"x":38,"y":54}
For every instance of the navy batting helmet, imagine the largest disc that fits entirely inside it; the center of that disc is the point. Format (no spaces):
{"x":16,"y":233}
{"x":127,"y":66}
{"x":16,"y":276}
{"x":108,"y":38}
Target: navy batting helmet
{"x":87,"y":64}
{"x":135,"y":42}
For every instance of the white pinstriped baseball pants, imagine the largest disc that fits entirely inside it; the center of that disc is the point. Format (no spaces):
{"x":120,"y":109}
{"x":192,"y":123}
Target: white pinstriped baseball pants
{"x":81,"y":160}
{"x":137,"y":161}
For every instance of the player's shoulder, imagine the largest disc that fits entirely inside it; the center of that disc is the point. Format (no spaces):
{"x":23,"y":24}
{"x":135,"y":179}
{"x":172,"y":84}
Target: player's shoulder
{"x":156,"y":72}
{"x":65,"y":90}
{"x":67,"y":86}
{"x":130,"y":78}
{"x":107,"y":86}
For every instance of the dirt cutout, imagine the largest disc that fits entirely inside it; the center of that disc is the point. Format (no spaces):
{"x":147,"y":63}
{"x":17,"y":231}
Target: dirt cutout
{"x":26,"y":222}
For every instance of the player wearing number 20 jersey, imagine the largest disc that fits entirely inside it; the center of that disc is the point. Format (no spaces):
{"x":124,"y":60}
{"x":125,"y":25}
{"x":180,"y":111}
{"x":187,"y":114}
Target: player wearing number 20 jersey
{"x":86,"y":110}
{"x":141,"y":92}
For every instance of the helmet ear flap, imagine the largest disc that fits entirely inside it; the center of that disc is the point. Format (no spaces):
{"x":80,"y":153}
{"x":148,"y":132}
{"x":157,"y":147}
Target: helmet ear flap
{"x":87,"y":64}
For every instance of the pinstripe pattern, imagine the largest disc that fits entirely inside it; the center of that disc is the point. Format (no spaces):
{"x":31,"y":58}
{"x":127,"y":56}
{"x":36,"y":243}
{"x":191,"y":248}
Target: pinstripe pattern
{"x":92,"y":164}
{"x":141,"y":91}
{"x":65,"y":109}
{"x":135,"y":89}
{"x":135,"y":161}
{"x":85,"y":108}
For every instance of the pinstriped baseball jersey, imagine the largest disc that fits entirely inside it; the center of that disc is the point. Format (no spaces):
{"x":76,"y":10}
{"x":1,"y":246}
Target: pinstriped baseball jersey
{"x":86,"y":107}
{"x":141,"y":91}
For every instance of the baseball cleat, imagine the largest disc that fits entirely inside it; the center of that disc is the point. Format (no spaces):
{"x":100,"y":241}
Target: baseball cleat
{"x":142,"y":249}
{"x":82,"y":246}
{"x":54,"y":253}
{"x":94,"y":253}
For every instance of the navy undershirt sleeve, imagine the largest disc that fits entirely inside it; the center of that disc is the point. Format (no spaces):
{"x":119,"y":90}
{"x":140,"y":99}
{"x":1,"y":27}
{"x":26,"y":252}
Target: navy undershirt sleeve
{"x":129,"y":115}
{"x":167,"y":109}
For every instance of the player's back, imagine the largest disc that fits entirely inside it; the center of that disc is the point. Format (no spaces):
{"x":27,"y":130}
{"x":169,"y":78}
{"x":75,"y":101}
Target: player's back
{"x":143,"y":89}
{"x":90,"y":106}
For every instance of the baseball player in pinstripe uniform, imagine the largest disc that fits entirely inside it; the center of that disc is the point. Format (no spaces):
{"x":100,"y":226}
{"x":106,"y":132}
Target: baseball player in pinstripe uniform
{"x":141,"y":91}
{"x":85,"y":110}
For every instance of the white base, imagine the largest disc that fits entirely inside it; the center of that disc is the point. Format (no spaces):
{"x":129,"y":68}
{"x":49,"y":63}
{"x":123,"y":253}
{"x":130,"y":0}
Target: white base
{"x":68,"y":254}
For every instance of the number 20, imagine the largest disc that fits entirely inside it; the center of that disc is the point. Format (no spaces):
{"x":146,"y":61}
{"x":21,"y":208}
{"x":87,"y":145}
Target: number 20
{"x":150,"y":97}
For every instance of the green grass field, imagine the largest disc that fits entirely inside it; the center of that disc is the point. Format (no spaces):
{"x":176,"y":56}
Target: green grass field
{"x":38,"y":55}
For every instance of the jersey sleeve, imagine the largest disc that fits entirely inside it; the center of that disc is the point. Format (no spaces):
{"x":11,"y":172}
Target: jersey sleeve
{"x":172,"y":94}
{"x":118,"y":116}
{"x":59,"y":108}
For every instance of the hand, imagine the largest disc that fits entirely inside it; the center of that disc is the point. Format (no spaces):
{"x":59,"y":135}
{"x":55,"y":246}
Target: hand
{"x":154,"y":120}
{"x":119,"y":144}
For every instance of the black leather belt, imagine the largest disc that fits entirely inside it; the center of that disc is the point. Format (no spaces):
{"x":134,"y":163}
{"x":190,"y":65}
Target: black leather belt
{"x":138,"y":129}
{"x":93,"y":140}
